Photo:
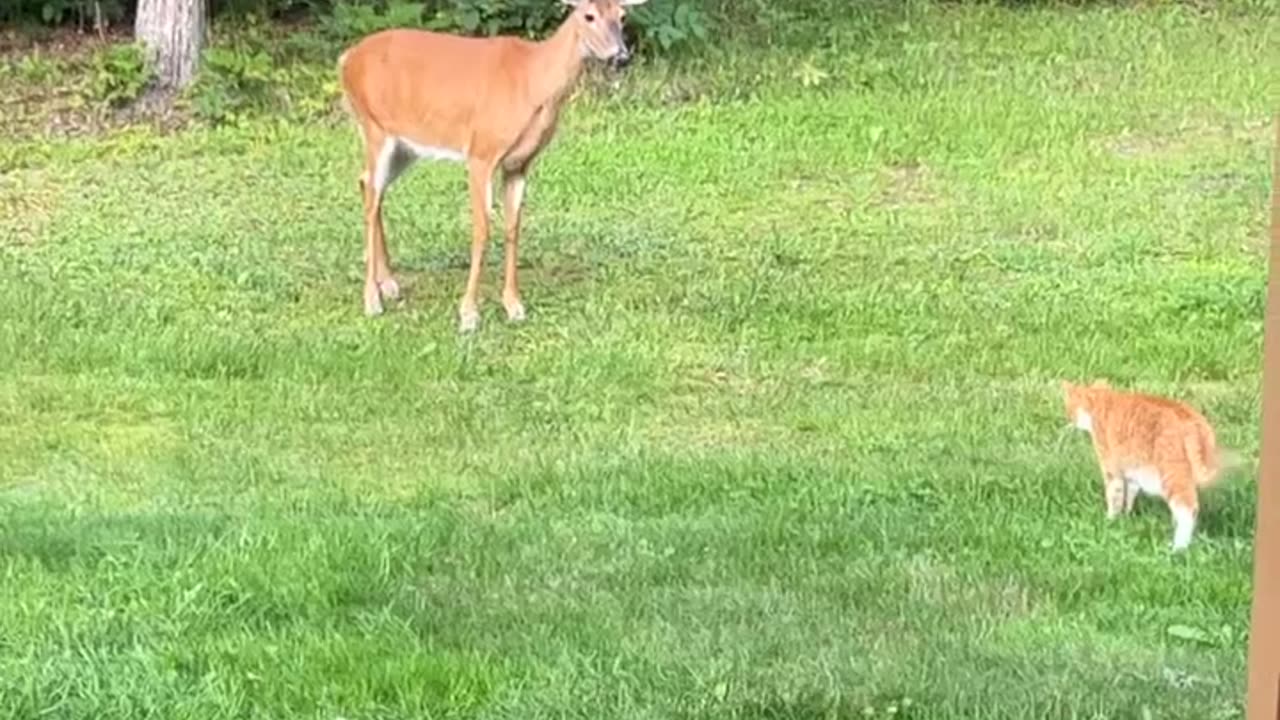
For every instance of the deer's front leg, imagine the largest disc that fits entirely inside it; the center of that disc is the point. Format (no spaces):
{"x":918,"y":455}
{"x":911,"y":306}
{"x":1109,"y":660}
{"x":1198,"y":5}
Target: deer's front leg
{"x":373,"y":240}
{"x":480,"y":175}
{"x":514,"y":186}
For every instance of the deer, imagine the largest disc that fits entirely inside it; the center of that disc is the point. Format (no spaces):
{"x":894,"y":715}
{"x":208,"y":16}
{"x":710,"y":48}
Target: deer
{"x":490,"y":103}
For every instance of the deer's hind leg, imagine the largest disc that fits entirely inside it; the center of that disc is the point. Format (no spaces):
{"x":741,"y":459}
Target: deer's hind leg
{"x":480,"y":187}
{"x":385,"y":160}
{"x":513,"y":192}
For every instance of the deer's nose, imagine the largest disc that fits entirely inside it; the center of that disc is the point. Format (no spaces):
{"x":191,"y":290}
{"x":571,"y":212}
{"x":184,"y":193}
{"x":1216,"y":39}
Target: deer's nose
{"x":622,"y":58}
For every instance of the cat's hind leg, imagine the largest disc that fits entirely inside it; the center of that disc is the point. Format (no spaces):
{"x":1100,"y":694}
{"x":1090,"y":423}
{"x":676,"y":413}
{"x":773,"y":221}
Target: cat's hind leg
{"x":1183,"y":507}
{"x":1179,"y":490}
{"x":1184,"y":524}
{"x":1131,"y":490}
{"x":1113,"y":482}
{"x":1115,"y":489}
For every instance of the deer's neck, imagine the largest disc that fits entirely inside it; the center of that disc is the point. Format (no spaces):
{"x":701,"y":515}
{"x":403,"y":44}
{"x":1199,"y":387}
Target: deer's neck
{"x":556,"y":66}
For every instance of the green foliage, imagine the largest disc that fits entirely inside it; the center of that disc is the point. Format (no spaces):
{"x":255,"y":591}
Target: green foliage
{"x":664,"y":24}
{"x":266,"y":8}
{"x":232,"y":82}
{"x":258,"y":72}
{"x":493,"y":17}
{"x":659,"y":26}
{"x":37,"y":68}
{"x":119,"y":74}
{"x":238,"y":77}
{"x":54,"y":12}
{"x":670,"y":25}
{"x":350,"y":20}
{"x":60,"y":12}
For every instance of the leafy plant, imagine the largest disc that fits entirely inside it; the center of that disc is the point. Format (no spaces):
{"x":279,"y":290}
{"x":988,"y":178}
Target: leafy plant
{"x":37,"y":68}
{"x":493,"y":17}
{"x":231,"y":82}
{"x":350,"y":20}
{"x":658,"y":25}
{"x":59,"y":12}
{"x":265,"y":8}
{"x":670,"y":25}
{"x":119,"y":74}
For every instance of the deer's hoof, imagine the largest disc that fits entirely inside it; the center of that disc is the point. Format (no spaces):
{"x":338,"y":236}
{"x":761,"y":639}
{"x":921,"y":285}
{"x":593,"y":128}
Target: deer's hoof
{"x":389,"y":288}
{"x":468,"y":321}
{"x":372,"y":301}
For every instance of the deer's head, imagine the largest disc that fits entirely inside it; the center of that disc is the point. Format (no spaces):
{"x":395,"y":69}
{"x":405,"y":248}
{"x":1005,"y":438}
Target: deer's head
{"x":599,"y":28}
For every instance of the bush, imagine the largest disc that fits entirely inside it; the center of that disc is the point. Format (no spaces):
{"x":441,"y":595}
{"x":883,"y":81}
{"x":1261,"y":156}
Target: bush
{"x":350,"y":20}
{"x":61,"y":12}
{"x":666,"y":26}
{"x":671,"y":25}
{"x":494,"y":17}
{"x":119,"y":74}
{"x":259,"y":69}
{"x":232,"y":82}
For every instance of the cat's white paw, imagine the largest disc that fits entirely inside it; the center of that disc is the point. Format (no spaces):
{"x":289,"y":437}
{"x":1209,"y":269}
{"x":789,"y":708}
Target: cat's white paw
{"x":1184,"y":526}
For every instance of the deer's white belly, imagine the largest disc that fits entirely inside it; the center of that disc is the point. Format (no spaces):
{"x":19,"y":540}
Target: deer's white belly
{"x":398,"y":153}
{"x":430,"y":152}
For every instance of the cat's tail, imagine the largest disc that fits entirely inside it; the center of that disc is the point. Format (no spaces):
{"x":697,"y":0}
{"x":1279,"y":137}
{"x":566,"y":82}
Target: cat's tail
{"x":1225,"y":461}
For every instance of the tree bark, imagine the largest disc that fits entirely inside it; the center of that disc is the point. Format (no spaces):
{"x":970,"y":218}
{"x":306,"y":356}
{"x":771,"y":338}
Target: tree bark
{"x":173,"y":33}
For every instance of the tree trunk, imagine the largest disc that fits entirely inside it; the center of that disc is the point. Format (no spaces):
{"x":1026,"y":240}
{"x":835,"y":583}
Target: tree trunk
{"x":173,"y":32}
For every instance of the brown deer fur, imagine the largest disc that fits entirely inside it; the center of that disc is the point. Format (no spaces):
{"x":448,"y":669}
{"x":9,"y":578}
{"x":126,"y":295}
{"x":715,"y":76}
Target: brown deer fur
{"x":487,"y":102}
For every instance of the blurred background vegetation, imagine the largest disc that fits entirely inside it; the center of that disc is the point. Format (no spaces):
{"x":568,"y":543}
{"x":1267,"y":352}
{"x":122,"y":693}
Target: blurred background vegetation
{"x":76,"y":59}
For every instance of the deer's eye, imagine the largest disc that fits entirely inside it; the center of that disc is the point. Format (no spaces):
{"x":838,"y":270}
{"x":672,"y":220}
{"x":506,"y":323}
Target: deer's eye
{"x":589,"y":17}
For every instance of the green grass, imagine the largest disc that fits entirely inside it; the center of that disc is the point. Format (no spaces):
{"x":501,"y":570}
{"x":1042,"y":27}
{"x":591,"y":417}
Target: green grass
{"x":781,"y":438}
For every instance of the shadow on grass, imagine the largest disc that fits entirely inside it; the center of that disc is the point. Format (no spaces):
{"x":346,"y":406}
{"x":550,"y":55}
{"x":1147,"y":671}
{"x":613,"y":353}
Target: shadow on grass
{"x":59,"y":541}
{"x":814,"y":705}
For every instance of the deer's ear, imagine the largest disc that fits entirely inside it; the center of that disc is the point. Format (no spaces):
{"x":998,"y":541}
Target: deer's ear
{"x":570,"y":3}
{"x":632,"y":2}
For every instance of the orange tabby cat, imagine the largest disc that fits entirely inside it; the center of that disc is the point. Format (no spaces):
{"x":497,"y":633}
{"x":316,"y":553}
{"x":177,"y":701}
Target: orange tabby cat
{"x":1151,"y":445}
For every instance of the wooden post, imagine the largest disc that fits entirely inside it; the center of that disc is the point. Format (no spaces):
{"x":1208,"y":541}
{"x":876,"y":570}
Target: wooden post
{"x":1264,"y":634}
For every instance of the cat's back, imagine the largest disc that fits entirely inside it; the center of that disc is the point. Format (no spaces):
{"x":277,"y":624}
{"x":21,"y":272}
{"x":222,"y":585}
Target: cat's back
{"x":1154,"y":426}
{"x":1170,"y":413}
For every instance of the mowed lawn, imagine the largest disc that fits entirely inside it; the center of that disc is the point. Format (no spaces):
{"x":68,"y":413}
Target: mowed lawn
{"x":781,"y":438}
